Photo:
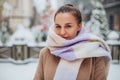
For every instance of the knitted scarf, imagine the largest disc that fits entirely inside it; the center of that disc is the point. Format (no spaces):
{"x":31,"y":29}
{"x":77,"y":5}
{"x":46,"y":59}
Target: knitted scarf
{"x":73,"y":52}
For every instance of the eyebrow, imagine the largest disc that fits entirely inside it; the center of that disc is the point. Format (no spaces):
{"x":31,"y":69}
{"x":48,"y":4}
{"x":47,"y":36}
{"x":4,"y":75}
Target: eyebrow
{"x":56,"y":24}
{"x":65,"y":24}
{"x":68,"y":23}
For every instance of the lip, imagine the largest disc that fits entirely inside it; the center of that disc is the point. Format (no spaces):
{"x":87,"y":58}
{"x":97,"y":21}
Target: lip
{"x":66,"y":38}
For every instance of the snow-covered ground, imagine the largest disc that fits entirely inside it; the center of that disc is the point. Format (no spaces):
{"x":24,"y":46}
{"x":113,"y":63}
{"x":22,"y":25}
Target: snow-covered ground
{"x":9,"y":71}
{"x":114,"y":73}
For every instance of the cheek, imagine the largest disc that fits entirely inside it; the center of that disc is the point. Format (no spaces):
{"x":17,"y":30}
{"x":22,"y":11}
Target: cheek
{"x":73,"y":33}
{"x":56,"y":31}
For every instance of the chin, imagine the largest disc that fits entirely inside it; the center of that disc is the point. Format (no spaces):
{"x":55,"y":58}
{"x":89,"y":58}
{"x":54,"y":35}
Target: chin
{"x":68,"y":38}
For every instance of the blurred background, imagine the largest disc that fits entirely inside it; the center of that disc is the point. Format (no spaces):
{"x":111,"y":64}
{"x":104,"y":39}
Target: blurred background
{"x":24,"y":25}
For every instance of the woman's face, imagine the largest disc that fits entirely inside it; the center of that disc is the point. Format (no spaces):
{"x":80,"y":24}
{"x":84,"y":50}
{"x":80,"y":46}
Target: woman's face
{"x":66,"y":25}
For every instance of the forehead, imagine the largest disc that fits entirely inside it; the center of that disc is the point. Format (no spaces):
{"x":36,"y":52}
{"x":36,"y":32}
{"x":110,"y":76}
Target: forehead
{"x":65,"y":17}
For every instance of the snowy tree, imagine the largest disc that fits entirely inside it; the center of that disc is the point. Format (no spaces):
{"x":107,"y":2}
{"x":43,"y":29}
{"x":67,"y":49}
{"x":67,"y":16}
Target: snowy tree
{"x":4,"y":35}
{"x":98,"y":24}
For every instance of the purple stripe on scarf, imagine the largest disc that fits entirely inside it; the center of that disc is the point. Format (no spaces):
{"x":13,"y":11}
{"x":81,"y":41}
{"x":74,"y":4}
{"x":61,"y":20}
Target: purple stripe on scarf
{"x":65,"y":53}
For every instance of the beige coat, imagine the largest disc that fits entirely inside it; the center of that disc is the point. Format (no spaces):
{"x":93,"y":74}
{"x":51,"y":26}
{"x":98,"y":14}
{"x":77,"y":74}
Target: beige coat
{"x":91,"y":68}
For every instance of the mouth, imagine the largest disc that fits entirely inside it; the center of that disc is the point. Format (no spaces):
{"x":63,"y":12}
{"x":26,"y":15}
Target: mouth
{"x":66,"y":38}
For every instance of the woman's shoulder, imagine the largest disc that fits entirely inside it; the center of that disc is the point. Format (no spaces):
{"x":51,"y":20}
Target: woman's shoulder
{"x":103,"y":60}
{"x":45,"y":53}
{"x":44,"y":50}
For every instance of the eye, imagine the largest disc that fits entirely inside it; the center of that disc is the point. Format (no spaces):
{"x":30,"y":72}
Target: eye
{"x":68,"y":26}
{"x":57,"y":26}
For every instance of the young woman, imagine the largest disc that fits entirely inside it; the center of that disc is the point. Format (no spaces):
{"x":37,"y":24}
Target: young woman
{"x":72,"y":53}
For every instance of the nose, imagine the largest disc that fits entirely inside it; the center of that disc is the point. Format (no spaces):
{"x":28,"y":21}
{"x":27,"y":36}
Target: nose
{"x":62,"y":32}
